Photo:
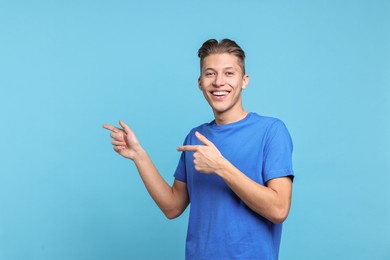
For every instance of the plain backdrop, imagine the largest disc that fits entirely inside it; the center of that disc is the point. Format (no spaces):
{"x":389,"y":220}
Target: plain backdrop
{"x":67,"y":67}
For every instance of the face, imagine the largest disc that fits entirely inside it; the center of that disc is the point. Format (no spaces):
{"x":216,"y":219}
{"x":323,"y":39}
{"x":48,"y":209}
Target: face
{"x":222,"y":82}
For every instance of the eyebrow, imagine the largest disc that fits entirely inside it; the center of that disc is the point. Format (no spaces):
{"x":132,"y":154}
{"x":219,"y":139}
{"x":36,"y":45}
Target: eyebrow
{"x":226,"y":68}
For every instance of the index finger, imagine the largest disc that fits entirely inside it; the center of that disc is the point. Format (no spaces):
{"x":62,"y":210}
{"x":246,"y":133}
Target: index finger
{"x":111,"y":128}
{"x":188,"y":148}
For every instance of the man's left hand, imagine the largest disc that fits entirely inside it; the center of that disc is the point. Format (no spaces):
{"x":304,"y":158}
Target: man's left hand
{"x":207,"y":158}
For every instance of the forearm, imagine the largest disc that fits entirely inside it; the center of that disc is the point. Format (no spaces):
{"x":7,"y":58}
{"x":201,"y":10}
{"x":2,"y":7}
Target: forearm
{"x":166,"y":197}
{"x":171,"y":200}
{"x":272,"y":204}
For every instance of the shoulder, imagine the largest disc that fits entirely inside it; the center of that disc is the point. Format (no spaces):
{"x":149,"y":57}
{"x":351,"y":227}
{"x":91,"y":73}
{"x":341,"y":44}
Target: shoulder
{"x":266,"y":121}
{"x":270,"y":126}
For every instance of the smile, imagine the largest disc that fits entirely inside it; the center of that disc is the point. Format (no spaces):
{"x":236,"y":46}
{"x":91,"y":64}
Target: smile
{"x":220,"y":93}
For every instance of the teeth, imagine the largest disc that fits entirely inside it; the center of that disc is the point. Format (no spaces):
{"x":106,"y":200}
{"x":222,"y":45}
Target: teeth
{"x":220,"y":93}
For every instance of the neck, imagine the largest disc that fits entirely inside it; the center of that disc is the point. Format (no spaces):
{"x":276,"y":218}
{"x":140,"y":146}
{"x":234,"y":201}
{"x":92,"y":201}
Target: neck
{"x":228,"y":118}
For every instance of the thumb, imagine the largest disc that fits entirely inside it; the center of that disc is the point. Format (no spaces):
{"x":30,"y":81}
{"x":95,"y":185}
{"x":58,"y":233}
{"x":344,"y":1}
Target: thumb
{"x":124,"y":126}
{"x":203,"y":139}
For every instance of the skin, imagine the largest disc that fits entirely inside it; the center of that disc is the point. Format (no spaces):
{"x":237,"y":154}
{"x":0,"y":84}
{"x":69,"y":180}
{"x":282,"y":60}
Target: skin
{"x":222,"y":72}
{"x":172,"y":200}
{"x":221,"y":82}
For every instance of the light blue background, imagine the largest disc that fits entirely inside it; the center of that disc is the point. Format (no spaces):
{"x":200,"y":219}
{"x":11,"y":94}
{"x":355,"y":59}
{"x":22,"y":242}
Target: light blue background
{"x":67,"y":67}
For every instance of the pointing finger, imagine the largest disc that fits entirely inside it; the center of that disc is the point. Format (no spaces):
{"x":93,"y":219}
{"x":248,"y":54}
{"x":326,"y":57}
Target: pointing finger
{"x":188,"y":148}
{"x":111,"y":128}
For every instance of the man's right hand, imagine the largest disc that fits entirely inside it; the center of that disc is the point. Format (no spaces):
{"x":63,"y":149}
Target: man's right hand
{"x":171,"y":200}
{"x":124,"y":141}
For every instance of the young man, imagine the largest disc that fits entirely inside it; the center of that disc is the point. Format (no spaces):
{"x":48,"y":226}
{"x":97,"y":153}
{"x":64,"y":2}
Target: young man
{"x":235,"y":172}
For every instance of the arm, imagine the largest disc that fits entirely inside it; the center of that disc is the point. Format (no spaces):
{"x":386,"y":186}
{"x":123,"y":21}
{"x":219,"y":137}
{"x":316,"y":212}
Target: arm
{"x":171,"y":200}
{"x":271,"y":201}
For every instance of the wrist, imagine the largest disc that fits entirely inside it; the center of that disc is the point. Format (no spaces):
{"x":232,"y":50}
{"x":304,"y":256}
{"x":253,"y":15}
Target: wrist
{"x":139,"y":154}
{"x":223,"y":167}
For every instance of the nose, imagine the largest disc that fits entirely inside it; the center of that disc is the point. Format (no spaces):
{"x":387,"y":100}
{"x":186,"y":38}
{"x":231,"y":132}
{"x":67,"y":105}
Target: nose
{"x":219,"y":80}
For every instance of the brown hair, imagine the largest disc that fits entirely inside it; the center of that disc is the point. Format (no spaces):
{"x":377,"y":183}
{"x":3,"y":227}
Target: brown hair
{"x":212,"y":46}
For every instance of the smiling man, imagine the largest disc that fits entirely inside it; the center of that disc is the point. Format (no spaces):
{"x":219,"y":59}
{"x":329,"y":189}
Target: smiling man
{"x":235,"y":172}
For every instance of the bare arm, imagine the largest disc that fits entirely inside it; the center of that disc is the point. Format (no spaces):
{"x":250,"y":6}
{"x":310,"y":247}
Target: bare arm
{"x":171,"y":200}
{"x":271,"y":201}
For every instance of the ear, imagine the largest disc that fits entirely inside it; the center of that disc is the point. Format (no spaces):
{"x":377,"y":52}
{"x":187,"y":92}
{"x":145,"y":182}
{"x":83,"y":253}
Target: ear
{"x":199,"y":83}
{"x":245,"y":81}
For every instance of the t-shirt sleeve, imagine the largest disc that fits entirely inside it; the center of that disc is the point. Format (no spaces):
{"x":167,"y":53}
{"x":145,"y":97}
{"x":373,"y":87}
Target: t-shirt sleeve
{"x":181,"y":172}
{"x":277,"y":153}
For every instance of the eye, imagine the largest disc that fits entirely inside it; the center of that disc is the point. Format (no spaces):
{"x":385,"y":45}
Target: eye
{"x":229,"y":73}
{"x":209,"y":74}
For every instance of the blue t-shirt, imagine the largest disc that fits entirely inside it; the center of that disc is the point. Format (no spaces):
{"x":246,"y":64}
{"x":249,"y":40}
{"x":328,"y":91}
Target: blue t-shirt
{"x":220,"y":225}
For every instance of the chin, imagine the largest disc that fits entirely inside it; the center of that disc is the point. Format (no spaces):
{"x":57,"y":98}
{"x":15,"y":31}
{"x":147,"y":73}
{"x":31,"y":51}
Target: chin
{"x":220,"y":110}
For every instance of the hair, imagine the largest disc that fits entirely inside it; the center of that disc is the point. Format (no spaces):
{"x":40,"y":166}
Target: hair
{"x":212,"y":46}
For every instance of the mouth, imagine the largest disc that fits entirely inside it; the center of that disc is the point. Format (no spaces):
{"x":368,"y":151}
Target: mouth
{"x":220,"y":93}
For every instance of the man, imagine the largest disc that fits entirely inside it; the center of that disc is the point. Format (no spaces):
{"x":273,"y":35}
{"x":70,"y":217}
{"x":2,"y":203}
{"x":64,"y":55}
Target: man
{"x":235,"y":172}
